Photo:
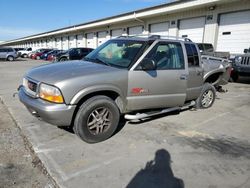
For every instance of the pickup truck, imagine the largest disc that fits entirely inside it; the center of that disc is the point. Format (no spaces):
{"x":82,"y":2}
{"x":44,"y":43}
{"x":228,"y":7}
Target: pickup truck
{"x":208,"y":49}
{"x":241,"y":65}
{"x":137,"y":77}
{"x":24,"y":53}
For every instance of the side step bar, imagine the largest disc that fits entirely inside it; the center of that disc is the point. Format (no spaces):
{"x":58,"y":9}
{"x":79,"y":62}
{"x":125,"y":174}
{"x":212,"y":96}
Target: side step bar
{"x":139,"y":116}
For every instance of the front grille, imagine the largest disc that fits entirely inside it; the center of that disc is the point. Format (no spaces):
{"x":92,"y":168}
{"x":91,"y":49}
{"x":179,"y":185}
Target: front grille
{"x":245,"y":60}
{"x":30,"y":87}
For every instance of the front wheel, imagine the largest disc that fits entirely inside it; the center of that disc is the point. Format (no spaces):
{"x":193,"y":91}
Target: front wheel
{"x":96,"y":119}
{"x":25,"y":55}
{"x":10,"y":58}
{"x":207,"y":97}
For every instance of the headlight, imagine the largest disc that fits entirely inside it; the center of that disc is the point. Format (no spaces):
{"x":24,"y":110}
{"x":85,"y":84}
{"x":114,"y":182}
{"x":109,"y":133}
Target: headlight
{"x":238,"y":59}
{"x":50,"y":93}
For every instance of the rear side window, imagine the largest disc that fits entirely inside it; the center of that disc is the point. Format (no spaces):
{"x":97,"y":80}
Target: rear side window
{"x":10,"y":50}
{"x":192,"y":55}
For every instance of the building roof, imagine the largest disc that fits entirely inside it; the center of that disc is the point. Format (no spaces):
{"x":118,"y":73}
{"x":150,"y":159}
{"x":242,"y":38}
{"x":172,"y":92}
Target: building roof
{"x":174,"y":6}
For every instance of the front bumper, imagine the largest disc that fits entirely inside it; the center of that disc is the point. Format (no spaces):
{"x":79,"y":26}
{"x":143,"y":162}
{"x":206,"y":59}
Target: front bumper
{"x":242,"y":70}
{"x":56,"y":114}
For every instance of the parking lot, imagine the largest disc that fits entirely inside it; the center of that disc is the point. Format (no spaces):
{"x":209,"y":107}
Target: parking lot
{"x":194,"y":148}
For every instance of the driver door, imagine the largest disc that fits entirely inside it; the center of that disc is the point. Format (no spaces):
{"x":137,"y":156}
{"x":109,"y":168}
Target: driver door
{"x":166,"y":85}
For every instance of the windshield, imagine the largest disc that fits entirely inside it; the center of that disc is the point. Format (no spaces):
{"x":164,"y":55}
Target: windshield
{"x":118,"y":53}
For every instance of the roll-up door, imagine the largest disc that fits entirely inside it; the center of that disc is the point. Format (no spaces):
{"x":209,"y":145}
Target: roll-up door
{"x":116,"y":33}
{"x":159,"y":28}
{"x":58,"y":43}
{"x":101,"y":37}
{"x":135,"y":30}
{"x":192,"y":28}
{"x":72,"y":41}
{"x":234,"y":32}
{"x":49,"y":43}
{"x":65,"y":43}
{"x":80,"y":41}
{"x":90,"y":40}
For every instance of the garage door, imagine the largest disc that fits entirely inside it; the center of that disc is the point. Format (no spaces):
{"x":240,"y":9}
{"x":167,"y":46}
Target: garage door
{"x":234,"y":32}
{"x":49,"y":43}
{"x":90,"y":40}
{"x":101,"y":37}
{"x":65,"y":45}
{"x":192,"y":28}
{"x":72,"y":41}
{"x":80,"y":41}
{"x":159,"y":28}
{"x":58,"y":43}
{"x":116,"y":33}
{"x":135,"y":30}
{"x":54,"y":42}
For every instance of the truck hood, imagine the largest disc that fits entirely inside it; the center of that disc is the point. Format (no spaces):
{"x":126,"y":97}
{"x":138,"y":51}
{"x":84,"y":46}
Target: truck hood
{"x":58,"y":72}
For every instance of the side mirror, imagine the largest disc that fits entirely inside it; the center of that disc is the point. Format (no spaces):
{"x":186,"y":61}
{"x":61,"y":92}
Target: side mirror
{"x":148,"y":64}
{"x":245,"y":51}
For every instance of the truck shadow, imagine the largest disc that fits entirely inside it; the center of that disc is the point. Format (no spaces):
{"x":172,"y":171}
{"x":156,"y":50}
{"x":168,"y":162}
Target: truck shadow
{"x":157,"y":173}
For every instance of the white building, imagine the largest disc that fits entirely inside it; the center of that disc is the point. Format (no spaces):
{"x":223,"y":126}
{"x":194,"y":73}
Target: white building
{"x":224,"y":23}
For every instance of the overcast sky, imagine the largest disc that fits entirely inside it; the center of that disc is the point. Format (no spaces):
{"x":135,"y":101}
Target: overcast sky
{"x":27,"y":17}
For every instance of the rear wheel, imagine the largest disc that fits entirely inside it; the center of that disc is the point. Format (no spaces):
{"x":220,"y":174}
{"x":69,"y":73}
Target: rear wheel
{"x":10,"y":58}
{"x":25,"y":55}
{"x":63,"y":59}
{"x":207,"y":96}
{"x":96,"y":119}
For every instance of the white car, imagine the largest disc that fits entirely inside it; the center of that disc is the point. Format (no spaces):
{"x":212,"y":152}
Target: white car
{"x":24,"y":53}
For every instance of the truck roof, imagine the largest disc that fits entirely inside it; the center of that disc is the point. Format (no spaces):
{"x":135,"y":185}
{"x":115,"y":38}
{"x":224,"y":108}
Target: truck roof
{"x":147,"y":37}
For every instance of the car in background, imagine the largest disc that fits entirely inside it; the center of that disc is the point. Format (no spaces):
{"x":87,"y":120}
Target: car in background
{"x":24,"y":53}
{"x":17,"y":50}
{"x":208,"y":49}
{"x":37,"y":55}
{"x":8,"y":53}
{"x":51,"y":55}
{"x":46,"y":55}
{"x":241,"y":65}
{"x":73,"y":54}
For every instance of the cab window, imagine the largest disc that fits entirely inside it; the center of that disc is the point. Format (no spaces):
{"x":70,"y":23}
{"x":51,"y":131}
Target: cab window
{"x":167,"y":56}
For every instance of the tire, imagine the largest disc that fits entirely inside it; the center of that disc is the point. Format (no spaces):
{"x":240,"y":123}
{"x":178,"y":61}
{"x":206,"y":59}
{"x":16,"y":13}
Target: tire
{"x":25,"y":55}
{"x":10,"y":58}
{"x":107,"y":114}
{"x":63,"y":59}
{"x":206,"y":98}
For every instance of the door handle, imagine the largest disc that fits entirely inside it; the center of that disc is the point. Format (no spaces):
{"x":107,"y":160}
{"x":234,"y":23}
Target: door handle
{"x":183,"y":77}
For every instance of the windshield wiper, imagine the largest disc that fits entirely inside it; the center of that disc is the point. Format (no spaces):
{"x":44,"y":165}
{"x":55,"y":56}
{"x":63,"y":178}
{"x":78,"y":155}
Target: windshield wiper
{"x":96,"y":60}
{"x":101,"y":61}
